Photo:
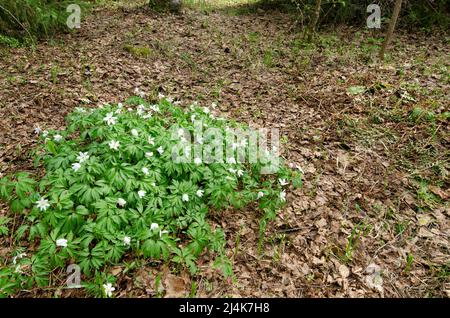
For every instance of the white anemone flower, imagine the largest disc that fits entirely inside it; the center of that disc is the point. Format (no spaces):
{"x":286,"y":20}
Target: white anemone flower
{"x":260,"y":195}
{"x":206,"y":110}
{"x":160,"y":150}
{"x":134,"y":132}
{"x":283,"y":196}
{"x":231,"y":170}
{"x":155,"y":108}
{"x":197,"y":161}
{"x":82,"y":156}
{"x":151,"y":140}
{"x":108,"y":288}
{"x":121,"y":202}
{"x":283,"y":182}
{"x":37,"y":130}
{"x":145,"y":171}
{"x":161,"y":95}
{"x":140,"y":112}
{"x":61,"y":242}
{"x":76,"y":166}
{"x":149,"y":154}
{"x":185,"y":197}
{"x":141,"y":193}
{"x":80,"y":109}
{"x":154,"y":226}
{"x":110,"y":119}
{"x":199,"y":193}
{"x":18,"y":256}
{"x":45,"y":133}
{"x":42,"y":204}
{"x":126,"y":240}
{"x":114,"y":145}
{"x":240,"y":173}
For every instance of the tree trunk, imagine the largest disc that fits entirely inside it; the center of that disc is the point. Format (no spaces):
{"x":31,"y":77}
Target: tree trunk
{"x":390,"y":32}
{"x":314,"y":20}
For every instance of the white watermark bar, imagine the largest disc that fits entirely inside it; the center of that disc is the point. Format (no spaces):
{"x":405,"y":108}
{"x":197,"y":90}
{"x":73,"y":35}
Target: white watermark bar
{"x":232,"y":146}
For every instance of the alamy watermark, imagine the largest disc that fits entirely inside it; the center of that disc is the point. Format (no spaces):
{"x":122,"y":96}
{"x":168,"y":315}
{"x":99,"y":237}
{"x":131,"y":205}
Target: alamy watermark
{"x":73,"y":276}
{"x":234,"y":145}
{"x":74,"y":19}
{"x":374,"y":19}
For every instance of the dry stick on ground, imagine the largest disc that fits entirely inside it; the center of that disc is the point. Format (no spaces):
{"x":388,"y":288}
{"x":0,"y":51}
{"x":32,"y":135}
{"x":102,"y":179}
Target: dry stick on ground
{"x":390,"y":32}
{"x":312,"y":25}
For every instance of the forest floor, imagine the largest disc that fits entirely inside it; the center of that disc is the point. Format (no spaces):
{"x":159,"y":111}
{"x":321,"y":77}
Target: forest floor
{"x":372,"y":218}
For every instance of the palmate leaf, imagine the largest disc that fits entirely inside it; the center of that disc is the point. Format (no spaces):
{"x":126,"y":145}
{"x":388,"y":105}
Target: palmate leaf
{"x":92,"y":258}
{"x":24,"y":185}
{"x":41,"y":269}
{"x":58,"y":162}
{"x":38,"y":230}
{"x":72,"y":222}
{"x":223,"y":263}
{"x":17,"y":206}
{"x":20,"y":232}
{"x":114,"y":252}
{"x":3,"y":228}
{"x":151,"y":248}
{"x":109,"y":223}
{"x":6,"y":187}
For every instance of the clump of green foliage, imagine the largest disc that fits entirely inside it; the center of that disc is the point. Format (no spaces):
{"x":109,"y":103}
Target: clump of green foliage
{"x":112,"y":191}
{"x":138,"y":51}
{"x":9,"y":41}
{"x":33,"y":19}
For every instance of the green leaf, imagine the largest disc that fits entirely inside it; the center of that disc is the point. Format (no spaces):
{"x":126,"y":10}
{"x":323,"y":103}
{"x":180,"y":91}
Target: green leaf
{"x":356,"y":90}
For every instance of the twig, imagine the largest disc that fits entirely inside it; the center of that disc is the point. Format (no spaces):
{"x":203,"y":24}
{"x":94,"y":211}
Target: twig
{"x":13,"y":16}
{"x":294,"y":229}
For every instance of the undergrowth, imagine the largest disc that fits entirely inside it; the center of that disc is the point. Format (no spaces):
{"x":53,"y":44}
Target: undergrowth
{"x":28,"y":20}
